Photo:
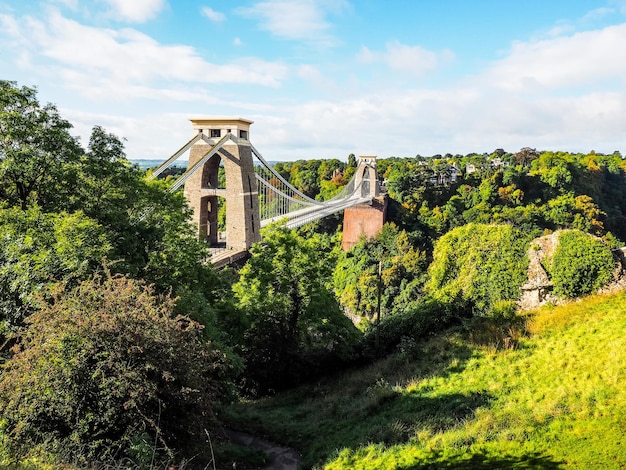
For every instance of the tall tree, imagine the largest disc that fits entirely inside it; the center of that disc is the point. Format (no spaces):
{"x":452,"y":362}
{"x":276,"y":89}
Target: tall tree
{"x":37,"y":153}
{"x":391,"y":260}
{"x":294,"y":318}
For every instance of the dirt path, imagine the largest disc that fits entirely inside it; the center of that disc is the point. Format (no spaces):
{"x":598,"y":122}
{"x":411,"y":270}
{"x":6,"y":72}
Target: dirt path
{"x":281,"y":458}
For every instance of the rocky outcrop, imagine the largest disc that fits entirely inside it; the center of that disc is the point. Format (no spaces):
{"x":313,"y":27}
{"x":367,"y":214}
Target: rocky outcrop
{"x":537,"y":290}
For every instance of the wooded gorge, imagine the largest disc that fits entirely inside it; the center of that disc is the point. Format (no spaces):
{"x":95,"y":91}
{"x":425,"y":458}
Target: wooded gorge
{"x":123,"y":348}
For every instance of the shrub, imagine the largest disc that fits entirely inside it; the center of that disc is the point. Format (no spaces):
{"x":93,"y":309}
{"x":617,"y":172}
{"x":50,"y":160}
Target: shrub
{"x":580,"y":265}
{"x":397,"y":331}
{"x":480,"y":265}
{"x":105,"y":366}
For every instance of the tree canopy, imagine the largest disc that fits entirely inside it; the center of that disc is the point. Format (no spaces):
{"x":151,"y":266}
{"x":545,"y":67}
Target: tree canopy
{"x":479,"y":265}
{"x":109,"y":364}
{"x":294,"y":320}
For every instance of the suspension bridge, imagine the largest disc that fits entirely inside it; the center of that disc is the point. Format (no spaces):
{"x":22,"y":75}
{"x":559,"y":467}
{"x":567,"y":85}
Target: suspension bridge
{"x":255,"y":194}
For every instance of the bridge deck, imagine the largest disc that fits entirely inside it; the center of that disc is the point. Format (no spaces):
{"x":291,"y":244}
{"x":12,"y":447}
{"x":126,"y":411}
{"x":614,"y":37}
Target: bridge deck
{"x":310,"y":214}
{"x":224,"y":257}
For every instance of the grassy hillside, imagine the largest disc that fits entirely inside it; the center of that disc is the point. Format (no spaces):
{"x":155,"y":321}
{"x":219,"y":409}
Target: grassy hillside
{"x":547,"y":393}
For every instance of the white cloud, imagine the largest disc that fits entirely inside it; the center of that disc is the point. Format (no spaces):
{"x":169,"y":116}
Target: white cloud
{"x":619,"y":4}
{"x":598,"y":13}
{"x":9,"y":26}
{"x":237,"y":42}
{"x":460,"y":120}
{"x":71,"y":4}
{"x":413,"y":59}
{"x":588,"y":21}
{"x":137,"y":11}
{"x":585,"y":58}
{"x":171,"y":131}
{"x":297,"y":20}
{"x":213,"y":15}
{"x":561,"y":28}
{"x":117,"y":62}
{"x":315,"y":77}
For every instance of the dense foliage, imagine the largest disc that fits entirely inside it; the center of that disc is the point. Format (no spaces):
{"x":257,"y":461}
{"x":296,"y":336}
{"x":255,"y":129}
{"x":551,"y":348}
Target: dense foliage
{"x":580,"y":264}
{"x":479,"y":265}
{"x":321,"y":179}
{"x":39,"y":250}
{"x":66,"y":214}
{"x":528,"y":189}
{"x":105,"y":366}
{"x":295,"y":326}
{"x":389,"y":268}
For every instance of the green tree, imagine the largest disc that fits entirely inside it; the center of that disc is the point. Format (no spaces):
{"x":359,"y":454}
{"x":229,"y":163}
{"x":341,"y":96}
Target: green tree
{"x":356,"y":273}
{"x":110,"y":368}
{"x":578,"y":212}
{"x":352,"y":163}
{"x":37,"y":153}
{"x":295,"y":322}
{"x":307,"y":181}
{"x":479,"y":264}
{"x":581,"y":264}
{"x":40,"y":250}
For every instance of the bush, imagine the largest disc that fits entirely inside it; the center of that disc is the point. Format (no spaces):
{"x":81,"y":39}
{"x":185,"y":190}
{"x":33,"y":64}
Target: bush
{"x":105,"y":367}
{"x":479,"y":265}
{"x":398,"y":331}
{"x":580,"y":265}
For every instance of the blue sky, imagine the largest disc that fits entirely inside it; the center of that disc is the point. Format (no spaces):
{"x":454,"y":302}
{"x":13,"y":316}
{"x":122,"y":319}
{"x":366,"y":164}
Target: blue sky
{"x":326,"y":78}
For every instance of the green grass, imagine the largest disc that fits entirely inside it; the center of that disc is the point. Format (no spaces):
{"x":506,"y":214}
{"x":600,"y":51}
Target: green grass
{"x":547,"y":395}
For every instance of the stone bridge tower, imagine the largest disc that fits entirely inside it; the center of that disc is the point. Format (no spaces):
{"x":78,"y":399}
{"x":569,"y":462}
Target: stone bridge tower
{"x":202,"y":189}
{"x":365,"y":220}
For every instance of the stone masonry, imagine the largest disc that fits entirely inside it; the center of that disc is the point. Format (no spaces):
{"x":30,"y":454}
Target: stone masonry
{"x":365,"y":220}
{"x":240,"y":192}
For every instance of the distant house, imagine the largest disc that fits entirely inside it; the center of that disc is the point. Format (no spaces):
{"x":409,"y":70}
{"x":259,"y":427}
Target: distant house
{"x":455,"y":172}
{"x":445,"y":177}
{"x":499,"y":163}
{"x":494,"y":163}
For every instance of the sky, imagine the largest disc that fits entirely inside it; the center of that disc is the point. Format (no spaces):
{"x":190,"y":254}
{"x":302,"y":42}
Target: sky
{"x":326,"y":78}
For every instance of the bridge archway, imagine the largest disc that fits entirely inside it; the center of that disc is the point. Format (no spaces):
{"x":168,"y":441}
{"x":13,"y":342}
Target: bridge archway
{"x":240,"y":190}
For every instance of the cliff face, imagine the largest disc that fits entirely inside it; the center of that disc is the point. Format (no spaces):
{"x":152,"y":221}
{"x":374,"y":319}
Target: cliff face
{"x":538,"y":287}
{"x":537,"y":290}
